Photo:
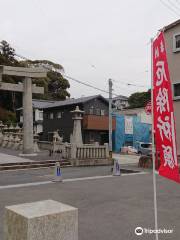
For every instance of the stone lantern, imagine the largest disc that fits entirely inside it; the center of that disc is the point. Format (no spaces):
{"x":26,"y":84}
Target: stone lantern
{"x":77,"y":133}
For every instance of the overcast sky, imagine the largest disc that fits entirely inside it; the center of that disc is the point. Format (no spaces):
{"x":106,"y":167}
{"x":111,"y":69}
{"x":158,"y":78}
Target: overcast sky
{"x":93,"y":39}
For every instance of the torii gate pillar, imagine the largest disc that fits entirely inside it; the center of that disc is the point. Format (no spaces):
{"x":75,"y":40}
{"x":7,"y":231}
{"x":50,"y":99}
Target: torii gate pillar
{"x":28,"y":142}
{"x":27,"y":88}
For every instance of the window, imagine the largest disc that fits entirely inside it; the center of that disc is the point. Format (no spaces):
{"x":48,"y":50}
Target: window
{"x":91,"y":137}
{"x":59,"y":115}
{"x":176,"y":43}
{"x":97,"y":111}
{"x":41,"y":115}
{"x":146,"y":145}
{"x":177,"y":90}
{"x":21,"y":118}
{"x":45,"y":116}
{"x":102,"y":112}
{"x":91,"y":111}
{"x":51,"y":116}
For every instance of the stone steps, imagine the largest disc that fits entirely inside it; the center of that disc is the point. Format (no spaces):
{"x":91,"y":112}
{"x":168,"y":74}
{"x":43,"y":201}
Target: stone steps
{"x":33,"y":165}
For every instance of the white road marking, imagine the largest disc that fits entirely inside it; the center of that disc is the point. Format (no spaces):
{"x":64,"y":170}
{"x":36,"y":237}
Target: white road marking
{"x":86,"y":178}
{"x":24,"y":169}
{"x":67,"y":180}
{"x":24,"y":185}
{"x":137,"y":173}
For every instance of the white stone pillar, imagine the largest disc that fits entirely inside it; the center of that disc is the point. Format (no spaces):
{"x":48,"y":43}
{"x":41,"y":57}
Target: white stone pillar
{"x":107,"y":150}
{"x":28,"y":141}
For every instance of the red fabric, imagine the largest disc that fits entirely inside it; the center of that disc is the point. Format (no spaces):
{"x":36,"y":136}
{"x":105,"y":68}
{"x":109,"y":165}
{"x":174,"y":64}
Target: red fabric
{"x":164,"y":124}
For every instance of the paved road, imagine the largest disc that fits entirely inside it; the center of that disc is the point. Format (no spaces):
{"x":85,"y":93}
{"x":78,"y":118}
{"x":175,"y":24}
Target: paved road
{"x":109,"y":208}
{"x":46,"y":174}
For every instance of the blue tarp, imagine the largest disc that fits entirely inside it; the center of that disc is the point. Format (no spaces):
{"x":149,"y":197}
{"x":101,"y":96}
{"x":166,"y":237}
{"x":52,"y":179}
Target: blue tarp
{"x":141,"y":133}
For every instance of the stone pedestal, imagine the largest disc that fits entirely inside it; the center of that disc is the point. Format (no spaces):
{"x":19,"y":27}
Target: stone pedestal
{"x":44,"y":220}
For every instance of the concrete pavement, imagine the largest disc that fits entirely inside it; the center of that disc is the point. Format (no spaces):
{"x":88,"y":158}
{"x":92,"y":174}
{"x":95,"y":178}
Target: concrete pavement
{"x":109,"y":208}
{"x":6,"y":158}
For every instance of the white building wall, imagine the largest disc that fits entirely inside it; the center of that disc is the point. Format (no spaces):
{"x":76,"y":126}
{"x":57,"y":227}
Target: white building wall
{"x":145,"y":118}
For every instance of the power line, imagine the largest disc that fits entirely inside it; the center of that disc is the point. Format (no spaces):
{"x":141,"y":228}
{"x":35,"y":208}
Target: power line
{"x":129,"y":84}
{"x":178,"y":2}
{"x":87,"y":84}
{"x":69,"y":77}
{"x":169,"y":7}
{"x":81,"y":82}
{"x":174,"y":5}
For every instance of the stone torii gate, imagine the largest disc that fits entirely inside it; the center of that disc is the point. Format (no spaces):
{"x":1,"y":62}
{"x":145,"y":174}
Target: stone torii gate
{"x":27,"y":89}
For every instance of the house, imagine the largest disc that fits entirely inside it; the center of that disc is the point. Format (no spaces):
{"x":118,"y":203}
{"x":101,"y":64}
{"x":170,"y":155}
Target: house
{"x":132,"y":126}
{"x":95,"y":122}
{"x":38,"y":106}
{"x":120,"y":102}
{"x":172,"y":41}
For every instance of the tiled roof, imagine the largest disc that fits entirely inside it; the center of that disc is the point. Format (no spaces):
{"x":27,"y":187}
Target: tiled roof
{"x":41,"y":103}
{"x":72,"y":101}
{"x":38,"y":103}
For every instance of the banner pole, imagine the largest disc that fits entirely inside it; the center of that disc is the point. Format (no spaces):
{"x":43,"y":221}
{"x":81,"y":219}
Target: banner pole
{"x":153,"y":146}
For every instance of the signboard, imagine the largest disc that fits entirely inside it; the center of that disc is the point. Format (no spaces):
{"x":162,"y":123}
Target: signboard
{"x":164,"y":124}
{"x":128,"y":125}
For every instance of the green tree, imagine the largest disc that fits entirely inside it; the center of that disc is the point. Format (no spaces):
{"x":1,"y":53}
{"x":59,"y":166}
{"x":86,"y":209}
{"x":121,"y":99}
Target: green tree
{"x":55,"y":84}
{"x":139,"y":99}
{"x":9,"y":100}
{"x":7,"y":54}
{"x":7,"y":116}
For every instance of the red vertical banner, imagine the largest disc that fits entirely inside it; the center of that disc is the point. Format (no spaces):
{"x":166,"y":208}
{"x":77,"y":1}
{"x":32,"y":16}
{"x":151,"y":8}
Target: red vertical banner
{"x":164,"y":124}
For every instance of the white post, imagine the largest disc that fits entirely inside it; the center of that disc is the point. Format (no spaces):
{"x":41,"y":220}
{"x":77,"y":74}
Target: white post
{"x":153,"y":145}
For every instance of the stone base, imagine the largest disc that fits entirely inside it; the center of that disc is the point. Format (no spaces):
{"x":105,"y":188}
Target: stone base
{"x":45,"y":220}
{"x":91,"y":162}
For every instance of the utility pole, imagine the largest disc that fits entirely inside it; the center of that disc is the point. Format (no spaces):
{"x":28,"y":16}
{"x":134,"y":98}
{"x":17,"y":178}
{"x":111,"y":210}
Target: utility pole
{"x":110,"y":118}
